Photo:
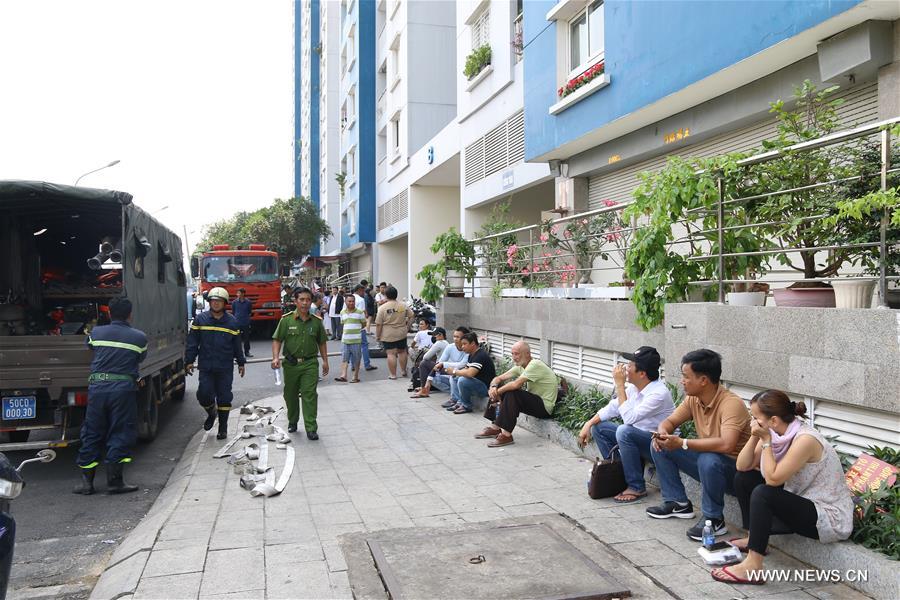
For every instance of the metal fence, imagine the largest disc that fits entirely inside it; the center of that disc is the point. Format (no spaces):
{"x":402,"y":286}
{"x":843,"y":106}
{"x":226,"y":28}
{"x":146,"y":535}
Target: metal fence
{"x":530,"y":253}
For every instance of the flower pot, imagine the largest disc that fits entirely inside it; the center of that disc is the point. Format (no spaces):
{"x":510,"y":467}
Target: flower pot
{"x":746,"y":298}
{"x":816,"y":297}
{"x":513,"y":292}
{"x":853,"y":294}
{"x":893,"y":298}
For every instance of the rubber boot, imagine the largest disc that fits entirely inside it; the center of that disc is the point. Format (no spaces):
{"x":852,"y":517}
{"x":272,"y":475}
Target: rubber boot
{"x":210,"y":418}
{"x":115,"y":483}
{"x":87,"y":482}
{"x":223,"y":426}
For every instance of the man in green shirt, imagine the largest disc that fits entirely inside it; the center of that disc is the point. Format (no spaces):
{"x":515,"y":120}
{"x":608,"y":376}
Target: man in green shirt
{"x":530,"y":387}
{"x":301,"y":335}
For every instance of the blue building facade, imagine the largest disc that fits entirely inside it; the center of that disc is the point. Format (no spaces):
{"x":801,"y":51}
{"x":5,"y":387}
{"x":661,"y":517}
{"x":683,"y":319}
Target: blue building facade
{"x":650,"y":51}
{"x":307,"y":87}
{"x":358,"y":161}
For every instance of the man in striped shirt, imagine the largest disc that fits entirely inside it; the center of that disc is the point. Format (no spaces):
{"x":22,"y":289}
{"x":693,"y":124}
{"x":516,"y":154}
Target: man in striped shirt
{"x":353,"y":320}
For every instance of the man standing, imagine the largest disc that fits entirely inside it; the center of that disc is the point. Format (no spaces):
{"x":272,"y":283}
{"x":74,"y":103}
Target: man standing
{"x":476,"y":377}
{"x":215,"y":339}
{"x":642,"y":403}
{"x":352,"y":321}
{"x":301,"y":335}
{"x":529,"y":387}
{"x":723,"y":428}
{"x":111,"y":417}
{"x":380,"y":297}
{"x":334,"y":312}
{"x":241,"y":308}
{"x":360,"y":293}
{"x":391,"y":326}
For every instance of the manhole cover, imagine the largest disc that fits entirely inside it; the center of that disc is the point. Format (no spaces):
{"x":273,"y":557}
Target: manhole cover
{"x":516,"y":562}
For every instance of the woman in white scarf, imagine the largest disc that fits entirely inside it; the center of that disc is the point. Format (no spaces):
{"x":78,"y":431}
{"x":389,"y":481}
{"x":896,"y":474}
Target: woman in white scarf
{"x":789,"y":480}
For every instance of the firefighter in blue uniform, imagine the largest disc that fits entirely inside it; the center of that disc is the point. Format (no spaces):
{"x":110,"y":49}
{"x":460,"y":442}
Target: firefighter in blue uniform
{"x":215,"y":338}
{"x":111,"y":416}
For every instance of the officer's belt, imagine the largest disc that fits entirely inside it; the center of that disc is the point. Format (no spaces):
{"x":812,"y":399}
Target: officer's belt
{"x":297,"y":360}
{"x":95,"y":377}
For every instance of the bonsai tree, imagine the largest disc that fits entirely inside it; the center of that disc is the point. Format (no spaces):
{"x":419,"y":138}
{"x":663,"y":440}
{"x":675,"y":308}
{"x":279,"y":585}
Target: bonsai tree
{"x":457,"y":254}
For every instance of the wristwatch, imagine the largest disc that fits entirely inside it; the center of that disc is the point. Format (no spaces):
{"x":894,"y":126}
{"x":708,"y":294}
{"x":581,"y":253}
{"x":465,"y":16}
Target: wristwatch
{"x":684,"y":444}
{"x":767,"y":445}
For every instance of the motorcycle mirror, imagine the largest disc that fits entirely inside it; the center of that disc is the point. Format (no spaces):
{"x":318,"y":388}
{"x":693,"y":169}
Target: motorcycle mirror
{"x":10,"y":481}
{"x":47,"y":455}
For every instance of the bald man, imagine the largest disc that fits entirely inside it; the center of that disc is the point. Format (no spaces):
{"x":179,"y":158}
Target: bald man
{"x":529,"y":387}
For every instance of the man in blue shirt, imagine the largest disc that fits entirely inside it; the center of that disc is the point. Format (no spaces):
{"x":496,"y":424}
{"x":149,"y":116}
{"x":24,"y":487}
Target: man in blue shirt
{"x":111,"y":417}
{"x":241,"y":308}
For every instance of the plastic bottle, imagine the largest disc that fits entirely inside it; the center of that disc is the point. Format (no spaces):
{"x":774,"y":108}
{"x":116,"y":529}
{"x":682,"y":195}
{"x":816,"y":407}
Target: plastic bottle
{"x":709,"y":538}
{"x":277,"y":376}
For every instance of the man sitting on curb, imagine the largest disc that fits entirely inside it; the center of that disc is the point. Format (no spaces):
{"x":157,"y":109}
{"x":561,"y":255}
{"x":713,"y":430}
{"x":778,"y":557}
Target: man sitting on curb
{"x":430,"y":360}
{"x":529,"y":387}
{"x":642,"y":403}
{"x":451,"y":358}
{"x":475,"y":377}
{"x":723,"y":427}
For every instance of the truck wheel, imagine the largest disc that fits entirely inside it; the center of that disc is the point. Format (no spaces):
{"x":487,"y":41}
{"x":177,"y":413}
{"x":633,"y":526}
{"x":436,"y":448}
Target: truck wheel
{"x":148,"y":411}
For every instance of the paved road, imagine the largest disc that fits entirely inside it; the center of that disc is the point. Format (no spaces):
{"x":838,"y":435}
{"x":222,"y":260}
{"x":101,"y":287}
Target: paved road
{"x":64,"y":540}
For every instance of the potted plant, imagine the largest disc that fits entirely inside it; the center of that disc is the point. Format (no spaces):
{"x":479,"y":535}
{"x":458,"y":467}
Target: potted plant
{"x":491,"y":254}
{"x":796,"y":214}
{"x":476,"y":61}
{"x":456,"y":264}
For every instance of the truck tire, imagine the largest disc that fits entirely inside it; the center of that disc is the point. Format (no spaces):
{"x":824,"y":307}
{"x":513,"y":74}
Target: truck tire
{"x":148,"y":411}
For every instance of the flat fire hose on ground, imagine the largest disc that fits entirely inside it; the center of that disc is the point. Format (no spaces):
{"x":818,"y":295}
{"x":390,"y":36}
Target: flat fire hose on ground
{"x":260,"y":478}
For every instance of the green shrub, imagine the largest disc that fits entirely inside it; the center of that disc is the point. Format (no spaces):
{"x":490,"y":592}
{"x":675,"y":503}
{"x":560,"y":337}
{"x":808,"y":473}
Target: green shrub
{"x":477,"y":60}
{"x":578,"y":406}
{"x":688,"y":430}
{"x":876,"y":520}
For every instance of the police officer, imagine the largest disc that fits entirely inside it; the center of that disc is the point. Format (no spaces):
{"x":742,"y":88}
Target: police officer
{"x":111,"y":417}
{"x":216,"y":337}
{"x":301,"y":335}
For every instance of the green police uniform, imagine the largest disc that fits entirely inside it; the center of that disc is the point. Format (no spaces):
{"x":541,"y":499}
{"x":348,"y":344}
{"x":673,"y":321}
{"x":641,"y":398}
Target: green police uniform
{"x":300,"y":345}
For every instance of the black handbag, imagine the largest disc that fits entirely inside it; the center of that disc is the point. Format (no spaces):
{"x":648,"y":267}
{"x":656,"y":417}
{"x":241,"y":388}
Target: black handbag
{"x":607,"y":476}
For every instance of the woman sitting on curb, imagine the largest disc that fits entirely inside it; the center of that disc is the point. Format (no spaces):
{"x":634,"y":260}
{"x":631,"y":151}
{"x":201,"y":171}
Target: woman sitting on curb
{"x":798,"y":488}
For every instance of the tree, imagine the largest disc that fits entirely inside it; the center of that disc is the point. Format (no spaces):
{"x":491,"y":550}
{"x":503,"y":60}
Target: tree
{"x":292,"y":227}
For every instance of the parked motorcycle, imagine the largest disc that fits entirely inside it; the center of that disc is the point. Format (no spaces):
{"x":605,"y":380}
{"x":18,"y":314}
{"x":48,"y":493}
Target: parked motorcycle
{"x":422,"y":310}
{"x":11,"y":484}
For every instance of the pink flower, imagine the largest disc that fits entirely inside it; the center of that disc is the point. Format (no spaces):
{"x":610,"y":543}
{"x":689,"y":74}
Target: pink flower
{"x":584,"y":221}
{"x":525,"y":271}
{"x":609,"y":203}
{"x":554,"y":230}
{"x":544,"y":237}
{"x":511,"y":250}
{"x":567,"y":233}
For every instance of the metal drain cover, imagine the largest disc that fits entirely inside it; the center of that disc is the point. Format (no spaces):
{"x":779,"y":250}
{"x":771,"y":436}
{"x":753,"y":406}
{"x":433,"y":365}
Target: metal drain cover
{"x":515,"y":562}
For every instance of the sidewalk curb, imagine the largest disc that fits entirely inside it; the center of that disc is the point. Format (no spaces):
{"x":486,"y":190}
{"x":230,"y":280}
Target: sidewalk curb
{"x":846,"y":556}
{"x":122,"y":573}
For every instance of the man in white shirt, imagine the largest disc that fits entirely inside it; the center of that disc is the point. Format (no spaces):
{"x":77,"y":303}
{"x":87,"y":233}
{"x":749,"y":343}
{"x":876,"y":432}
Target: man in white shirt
{"x":359,"y":292}
{"x":642,"y":403}
{"x":381,"y":297}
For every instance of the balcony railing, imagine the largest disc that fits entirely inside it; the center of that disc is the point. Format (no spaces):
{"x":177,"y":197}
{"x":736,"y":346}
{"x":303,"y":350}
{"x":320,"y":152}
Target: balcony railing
{"x":567,"y":251}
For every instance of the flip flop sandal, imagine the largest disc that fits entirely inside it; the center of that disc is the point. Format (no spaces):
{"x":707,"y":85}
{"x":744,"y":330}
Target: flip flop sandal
{"x":723,"y":575}
{"x":420,"y":396}
{"x":743,"y":549}
{"x":628,"y":498}
{"x":341,"y":379}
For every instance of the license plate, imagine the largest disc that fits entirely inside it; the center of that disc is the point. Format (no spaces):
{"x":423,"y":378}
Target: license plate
{"x":19,"y":407}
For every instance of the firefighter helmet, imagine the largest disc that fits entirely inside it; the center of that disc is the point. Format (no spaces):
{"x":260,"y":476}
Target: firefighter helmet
{"x":217,"y":293}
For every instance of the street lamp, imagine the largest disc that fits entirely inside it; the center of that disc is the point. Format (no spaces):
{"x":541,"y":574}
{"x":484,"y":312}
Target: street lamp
{"x":112,"y":164}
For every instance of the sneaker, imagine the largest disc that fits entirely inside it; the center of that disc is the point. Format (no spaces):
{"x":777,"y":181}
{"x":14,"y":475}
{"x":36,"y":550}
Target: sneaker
{"x":696,"y":532}
{"x":454,"y":407}
{"x":672,"y":510}
{"x":371,"y":368}
{"x":448,"y":404}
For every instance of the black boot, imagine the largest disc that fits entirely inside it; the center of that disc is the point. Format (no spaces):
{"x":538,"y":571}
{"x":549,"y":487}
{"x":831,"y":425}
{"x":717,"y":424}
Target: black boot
{"x":210,"y":418}
{"x":115,"y":483}
{"x":87,"y":482}
{"x":223,"y":425}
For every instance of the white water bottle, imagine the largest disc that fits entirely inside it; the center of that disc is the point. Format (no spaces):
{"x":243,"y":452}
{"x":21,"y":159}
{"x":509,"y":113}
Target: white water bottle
{"x":277,"y":376}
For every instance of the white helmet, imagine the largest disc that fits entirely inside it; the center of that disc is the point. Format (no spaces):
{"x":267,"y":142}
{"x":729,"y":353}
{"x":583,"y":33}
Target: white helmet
{"x":217,"y":293}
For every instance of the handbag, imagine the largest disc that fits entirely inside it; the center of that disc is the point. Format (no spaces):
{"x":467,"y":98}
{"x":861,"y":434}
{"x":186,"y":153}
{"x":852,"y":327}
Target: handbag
{"x":607,"y":476}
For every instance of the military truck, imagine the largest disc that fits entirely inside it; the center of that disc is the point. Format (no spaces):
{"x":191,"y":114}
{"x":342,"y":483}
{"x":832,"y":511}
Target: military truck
{"x":65,"y":252}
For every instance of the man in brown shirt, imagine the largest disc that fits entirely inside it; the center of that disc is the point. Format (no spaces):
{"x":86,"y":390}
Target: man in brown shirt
{"x":391,"y":326}
{"x":723,"y":427}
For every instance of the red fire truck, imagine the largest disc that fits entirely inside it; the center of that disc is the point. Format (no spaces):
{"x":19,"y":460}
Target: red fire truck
{"x":254,"y":268}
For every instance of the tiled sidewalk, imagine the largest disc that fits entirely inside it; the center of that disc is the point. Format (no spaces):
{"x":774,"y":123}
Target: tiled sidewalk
{"x":385,"y":461}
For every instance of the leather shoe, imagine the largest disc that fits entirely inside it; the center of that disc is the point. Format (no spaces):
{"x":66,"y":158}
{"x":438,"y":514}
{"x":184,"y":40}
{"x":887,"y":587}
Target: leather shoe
{"x":312,"y":435}
{"x":461,"y":410}
{"x":501,"y":440}
{"x":292,"y":427}
{"x":488,"y":432}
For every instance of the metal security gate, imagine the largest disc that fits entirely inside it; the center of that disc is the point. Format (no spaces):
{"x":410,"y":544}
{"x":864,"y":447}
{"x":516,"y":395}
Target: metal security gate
{"x":860,"y":107}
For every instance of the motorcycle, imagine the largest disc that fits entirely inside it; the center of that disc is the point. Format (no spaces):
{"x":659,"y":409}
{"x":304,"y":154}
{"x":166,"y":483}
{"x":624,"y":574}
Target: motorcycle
{"x":421,"y":310}
{"x":11,"y":484}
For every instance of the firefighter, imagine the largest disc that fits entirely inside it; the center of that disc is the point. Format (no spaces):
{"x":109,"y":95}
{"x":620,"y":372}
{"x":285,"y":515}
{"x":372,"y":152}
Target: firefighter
{"x":111,"y":417}
{"x":302,"y":336}
{"x":216,"y":338}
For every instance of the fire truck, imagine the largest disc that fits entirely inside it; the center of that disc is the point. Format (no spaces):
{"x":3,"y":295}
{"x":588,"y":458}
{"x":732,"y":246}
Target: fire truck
{"x":254,"y":268}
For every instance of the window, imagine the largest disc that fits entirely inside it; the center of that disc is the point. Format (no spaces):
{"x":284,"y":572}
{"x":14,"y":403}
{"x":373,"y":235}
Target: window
{"x":351,"y":212}
{"x":395,"y":136}
{"x":351,"y":165}
{"x":586,"y":37}
{"x":351,"y":105}
{"x":481,"y":29}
